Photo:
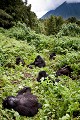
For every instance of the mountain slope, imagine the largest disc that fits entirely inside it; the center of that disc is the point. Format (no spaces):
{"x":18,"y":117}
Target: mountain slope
{"x":65,"y":10}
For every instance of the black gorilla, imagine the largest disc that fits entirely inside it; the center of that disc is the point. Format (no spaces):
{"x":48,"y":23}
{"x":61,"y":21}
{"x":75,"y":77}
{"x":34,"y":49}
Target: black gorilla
{"x":9,"y":65}
{"x":42,"y":74}
{"x":66,"y":70}
{"x":20,"y":60}
{"x":25,"y":103}
{"x":39,"y":62}
{"x":52,"y":56}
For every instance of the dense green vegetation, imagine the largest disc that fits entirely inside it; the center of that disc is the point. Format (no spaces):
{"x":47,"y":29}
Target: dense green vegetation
{"x":25,"y":36}
{"x":60,"y":101}
{"x":12,"y":11}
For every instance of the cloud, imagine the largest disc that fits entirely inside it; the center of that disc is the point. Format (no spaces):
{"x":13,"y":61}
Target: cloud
{"x":40,"y":7}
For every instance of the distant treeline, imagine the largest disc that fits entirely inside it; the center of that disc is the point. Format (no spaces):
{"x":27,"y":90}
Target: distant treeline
{"x":12,"y":11}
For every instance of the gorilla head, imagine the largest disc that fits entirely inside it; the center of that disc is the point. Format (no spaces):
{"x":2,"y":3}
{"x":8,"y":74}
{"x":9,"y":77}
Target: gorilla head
{"x":52,"y":56}
{"x":41,"y":74}
{"x":9,"y":102}
{"x":19,"y":60}
{"x":25,"y":103}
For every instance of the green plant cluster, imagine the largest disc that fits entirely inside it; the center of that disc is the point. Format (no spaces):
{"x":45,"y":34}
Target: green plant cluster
{"x":6,"y":20}
{"x":70,"y":29}
{"x":12,"y":11}
{"x":60,"y":101}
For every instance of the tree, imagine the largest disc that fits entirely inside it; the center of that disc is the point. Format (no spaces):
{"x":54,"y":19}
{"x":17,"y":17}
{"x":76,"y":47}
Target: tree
{"x":51,"y":26}
{"x":72,"y":20}
{"x":6,"y":20}
{"x":59,"y":23}
{"x":19,"y":11}
{"x":25,"y":2}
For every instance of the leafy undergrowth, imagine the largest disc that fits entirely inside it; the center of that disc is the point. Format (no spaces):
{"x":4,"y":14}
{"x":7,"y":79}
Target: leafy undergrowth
{"x":60,"y":101}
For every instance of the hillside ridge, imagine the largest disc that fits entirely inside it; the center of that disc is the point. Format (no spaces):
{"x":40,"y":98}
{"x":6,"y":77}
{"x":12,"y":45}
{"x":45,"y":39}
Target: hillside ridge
{"x":66,"y":10}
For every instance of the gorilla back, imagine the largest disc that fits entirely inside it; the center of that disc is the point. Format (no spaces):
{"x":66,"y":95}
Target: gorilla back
{"x":25,"y":103}
{"x":39,"y":62}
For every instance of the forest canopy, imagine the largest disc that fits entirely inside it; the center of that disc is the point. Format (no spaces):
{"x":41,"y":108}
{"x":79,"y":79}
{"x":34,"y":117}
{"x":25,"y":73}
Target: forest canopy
{"x":18,"y":11}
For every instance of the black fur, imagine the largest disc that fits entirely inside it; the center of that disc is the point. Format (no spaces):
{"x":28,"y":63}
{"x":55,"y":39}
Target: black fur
{"x":66,"y":70}
{"x":39,"y":62}
{"x":41,"y":74}
{"x":25,"y":103}
{"x":52,"y":56}
{"x":20,"y":60}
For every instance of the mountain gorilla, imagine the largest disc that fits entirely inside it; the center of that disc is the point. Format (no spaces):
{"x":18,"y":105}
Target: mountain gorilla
{"x":66,"y":70}
{"x":52,"y":56}
{"x":42,"y":74}
{"x":19,"y":60}
{"x":25,"y":103}
{"x":39,"y":62}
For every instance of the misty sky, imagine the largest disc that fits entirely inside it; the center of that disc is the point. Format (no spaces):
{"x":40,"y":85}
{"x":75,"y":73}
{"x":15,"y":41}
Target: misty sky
{"x":40,"y":7}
